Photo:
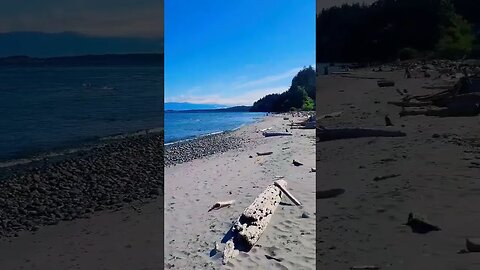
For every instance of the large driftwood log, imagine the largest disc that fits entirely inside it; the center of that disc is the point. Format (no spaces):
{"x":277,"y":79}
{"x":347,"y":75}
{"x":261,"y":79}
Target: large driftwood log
{"x":255,"y":218}
{"x":352,"y":133}
{"x":409,"y":104}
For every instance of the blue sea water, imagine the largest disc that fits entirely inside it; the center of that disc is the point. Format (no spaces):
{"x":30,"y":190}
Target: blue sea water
{"x":43,"y":109}
{"x":188,"y":125}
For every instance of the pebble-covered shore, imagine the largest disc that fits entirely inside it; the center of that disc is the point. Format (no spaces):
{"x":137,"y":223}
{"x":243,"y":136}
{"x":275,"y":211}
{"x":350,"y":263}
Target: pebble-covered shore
{"x":108,"y":176}
{"x":186,"y":151}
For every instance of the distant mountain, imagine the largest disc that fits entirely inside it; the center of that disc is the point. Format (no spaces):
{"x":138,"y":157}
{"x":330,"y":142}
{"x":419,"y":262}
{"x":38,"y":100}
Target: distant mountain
{"x":38,"y":44}
{"x":181,"y":106}
{"x":86,"y":60}
{"x":230,"y":109}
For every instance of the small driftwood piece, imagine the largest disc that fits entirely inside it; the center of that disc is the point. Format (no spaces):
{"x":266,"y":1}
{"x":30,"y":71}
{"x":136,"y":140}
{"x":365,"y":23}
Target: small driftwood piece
{"x":296,"y":163}
{"x":219,"y":205}
{"x":264,"y":154}
{"x":385,"y":83}
{"x":246,"y":231}
{"x":274,"y":134}
{"x":353,"y":133}
{"x":419,"y":225}
{"x":279,"y":184}
{"x":473,"y":244}
{"x":381,"y":178}
{"x":265,"y":129}
{"x":365,"y":267}
{"x":329,"y":115}
{"x":329,"y":193}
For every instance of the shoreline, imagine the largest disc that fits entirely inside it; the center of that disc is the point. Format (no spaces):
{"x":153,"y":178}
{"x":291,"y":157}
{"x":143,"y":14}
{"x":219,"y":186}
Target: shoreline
{"x":205,"y":145}
{"x":72,"y":149}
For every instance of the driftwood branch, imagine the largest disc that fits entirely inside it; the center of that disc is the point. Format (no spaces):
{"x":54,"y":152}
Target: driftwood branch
{"x":219,"y":205}
{"x":280,"y":185}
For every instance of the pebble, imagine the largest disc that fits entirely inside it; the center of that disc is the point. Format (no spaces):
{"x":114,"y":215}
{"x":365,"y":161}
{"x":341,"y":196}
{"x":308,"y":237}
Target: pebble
{"x":109,"y":175}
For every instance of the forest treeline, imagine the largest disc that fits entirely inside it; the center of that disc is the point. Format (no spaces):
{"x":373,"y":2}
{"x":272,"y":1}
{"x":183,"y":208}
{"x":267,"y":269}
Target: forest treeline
{"x":399,"y":29}
{"x":300,"y":95}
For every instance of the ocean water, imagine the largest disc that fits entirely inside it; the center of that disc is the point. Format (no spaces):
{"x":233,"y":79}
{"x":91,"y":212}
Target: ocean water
{"x":45,"y":109}
{"x":187,"y":125}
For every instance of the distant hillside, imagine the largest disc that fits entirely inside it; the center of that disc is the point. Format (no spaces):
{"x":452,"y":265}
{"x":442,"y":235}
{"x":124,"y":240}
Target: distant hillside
{"x":38,"y":44}
{"x":300,"y":95}
{"x":86,"y":60}
{"x":230,"y":109}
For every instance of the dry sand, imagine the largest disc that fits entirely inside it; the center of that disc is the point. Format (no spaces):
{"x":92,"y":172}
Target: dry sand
{"x":438,"y":179}
{"x":122,"y":240}
{"x":192,"y":188}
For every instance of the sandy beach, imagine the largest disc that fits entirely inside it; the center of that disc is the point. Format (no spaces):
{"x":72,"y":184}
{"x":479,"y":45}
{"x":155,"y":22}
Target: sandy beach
{"x":193,"y":186}
{"x":97,"y":209}
{"x":432,"y":172}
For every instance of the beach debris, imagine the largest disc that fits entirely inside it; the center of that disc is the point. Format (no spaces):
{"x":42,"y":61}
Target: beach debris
{"x":409,"y":103}
{"x":309,"y":123}
{"x":286,"y":118}
{"x":305,"y":215}
{"x":296,"y":163}
{"x":353,"y":133}
{"x":229,"y":252}
{"x":388,"y":122}
{"x":381,"y":178}
{"x":463,"y":99}
{"x":365,"y":267}
{"x":385,"y":83}
{"x":272,"y":258}
{"x":329,"y":115}
{"x":264,"y":153}
{"x":248,"y":228}
{"x":265,"y":129}
{"x":219,"y":205}
{"x":329,"y":193}
{"x":250,"y":156}
{"x":399,"y":92}
{"x":279,"y":177}
{"x":282,"y":187}
{"x":274,"y":134}
{"x":313,"y":169}
{"x":473,"y":244}
{"x":419,"y":225}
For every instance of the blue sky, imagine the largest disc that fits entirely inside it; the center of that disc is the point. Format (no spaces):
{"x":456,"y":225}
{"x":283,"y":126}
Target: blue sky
{"x":234,"y":52}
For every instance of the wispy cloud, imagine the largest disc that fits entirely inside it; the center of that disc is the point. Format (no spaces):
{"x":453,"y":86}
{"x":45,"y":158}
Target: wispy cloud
{"x":249,"y":91}
{"x":268,"y":79}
